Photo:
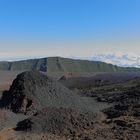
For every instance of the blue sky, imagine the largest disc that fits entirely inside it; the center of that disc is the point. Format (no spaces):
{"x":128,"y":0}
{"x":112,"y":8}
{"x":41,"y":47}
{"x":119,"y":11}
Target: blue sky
{"x":68,"y":18}
{"x":72,"y":20}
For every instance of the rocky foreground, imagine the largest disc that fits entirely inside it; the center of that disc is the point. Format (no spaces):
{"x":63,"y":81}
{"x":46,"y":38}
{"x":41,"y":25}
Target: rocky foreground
{"x":41,"y":108}
{"x":123,"y":117}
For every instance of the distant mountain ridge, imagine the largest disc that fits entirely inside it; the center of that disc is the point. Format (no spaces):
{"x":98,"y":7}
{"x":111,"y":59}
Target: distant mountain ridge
{"x":59,"y":64}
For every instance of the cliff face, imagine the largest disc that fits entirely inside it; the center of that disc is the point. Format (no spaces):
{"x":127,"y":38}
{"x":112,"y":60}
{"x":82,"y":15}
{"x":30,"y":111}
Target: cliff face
{"x":58,"y":64}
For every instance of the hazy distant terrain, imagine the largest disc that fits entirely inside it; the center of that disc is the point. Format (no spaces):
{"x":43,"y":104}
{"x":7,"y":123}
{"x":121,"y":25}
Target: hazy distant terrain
{"x":6,"y":78}
{"x":58,"y":64}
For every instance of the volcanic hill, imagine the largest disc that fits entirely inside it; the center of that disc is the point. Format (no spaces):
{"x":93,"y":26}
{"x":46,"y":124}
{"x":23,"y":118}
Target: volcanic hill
{"x":32,"y":91}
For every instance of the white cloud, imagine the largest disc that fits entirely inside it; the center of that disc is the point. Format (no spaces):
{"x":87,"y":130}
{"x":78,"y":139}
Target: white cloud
{"x":117,"y":58}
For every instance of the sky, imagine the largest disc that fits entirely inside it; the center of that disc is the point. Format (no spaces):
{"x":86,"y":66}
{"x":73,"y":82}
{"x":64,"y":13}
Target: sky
{"x":68,"y":28}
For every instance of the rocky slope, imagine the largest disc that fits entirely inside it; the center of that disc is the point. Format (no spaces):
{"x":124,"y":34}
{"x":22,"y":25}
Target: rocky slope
{"x":32,"y":91}
{"x":46,"y":107}
{"x":123,"y":118}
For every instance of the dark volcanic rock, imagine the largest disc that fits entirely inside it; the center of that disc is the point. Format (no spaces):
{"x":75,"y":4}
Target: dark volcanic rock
{"x":60,"y":121}
{"x":122,"y":120}
{"x":33,"y":91}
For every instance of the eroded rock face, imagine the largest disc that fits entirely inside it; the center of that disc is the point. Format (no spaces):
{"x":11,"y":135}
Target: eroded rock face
{"x":28,"y":106}
{"x":23,"y":91}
